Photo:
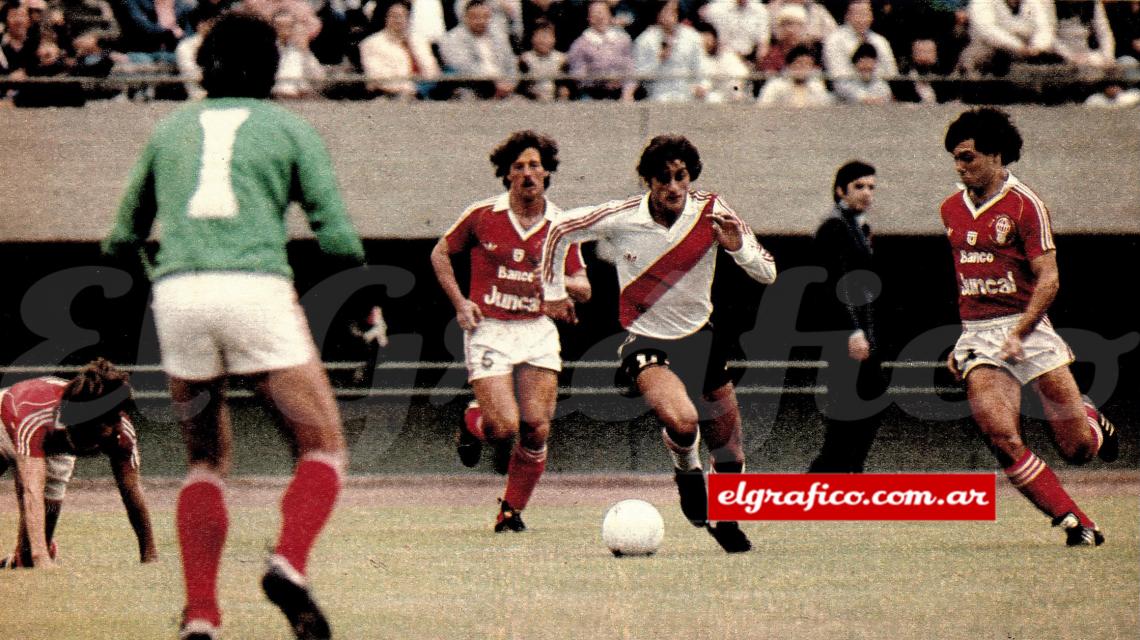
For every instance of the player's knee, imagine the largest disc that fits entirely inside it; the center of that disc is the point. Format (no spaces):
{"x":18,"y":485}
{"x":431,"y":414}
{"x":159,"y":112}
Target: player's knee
{"x":499,"y":427}
{"x":680,"y":422}
{"x":534,"y":432}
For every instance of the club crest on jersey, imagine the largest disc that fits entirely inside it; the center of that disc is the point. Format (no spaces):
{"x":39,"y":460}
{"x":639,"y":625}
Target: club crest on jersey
{"x":630,"y":257}
{"x":490,"y":246}
{"x":518,"y":255}
{"x":971,"y":238}
{"x":1003,"y":227}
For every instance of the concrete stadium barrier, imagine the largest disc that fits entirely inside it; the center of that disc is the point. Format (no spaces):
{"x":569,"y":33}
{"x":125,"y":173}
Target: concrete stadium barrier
{"x":407,"y":170}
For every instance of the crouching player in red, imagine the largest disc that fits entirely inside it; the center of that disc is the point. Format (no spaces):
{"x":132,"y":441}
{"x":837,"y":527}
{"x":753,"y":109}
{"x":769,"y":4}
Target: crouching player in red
{"x":46,"y":423}
{"x":1006,"y":262}
{"x":512,"y":350}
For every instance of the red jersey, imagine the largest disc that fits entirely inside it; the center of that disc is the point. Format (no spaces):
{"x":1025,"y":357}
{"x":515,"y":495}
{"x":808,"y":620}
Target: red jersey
{"x":993,"y":245}
{"x":28,"y":411}
{"x":505,"y":258}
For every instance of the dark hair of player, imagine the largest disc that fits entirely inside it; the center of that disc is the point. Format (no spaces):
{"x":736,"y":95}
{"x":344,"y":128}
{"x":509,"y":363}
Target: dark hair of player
{"x":849,"y":173}
{"x":991,"y":130}
{"x":238,"y":57}
{"x":473,"y":3}
{"x":93,"y":399}
{"x":407,"y":4}
{"x":663,"y":149}
{"x":510,"y":149}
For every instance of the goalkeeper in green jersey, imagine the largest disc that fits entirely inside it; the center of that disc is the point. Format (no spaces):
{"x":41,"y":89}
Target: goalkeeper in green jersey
{"x":218,"y":177}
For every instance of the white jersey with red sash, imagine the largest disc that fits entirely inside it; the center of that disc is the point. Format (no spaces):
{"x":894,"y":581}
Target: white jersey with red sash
{"x":993,"y":245}
{"x":665,"y":274}
{"x":505,"y":257}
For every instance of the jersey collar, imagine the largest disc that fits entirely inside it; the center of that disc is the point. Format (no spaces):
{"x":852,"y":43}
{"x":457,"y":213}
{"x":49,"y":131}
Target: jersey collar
{"x":1011,"y":181}
{"x":503,"y":205}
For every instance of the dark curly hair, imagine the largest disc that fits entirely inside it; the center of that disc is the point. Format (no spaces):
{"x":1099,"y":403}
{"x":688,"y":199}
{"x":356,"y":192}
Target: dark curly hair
{"x":510,"y":149}
{"x":664,"y":148}
{"x":992,"y":131}
{"x":95,"y":397}
{"x":239,"y":57}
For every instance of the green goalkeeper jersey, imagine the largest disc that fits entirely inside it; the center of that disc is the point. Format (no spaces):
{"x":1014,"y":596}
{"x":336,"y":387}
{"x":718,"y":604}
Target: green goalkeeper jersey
{"x":218,"y":176}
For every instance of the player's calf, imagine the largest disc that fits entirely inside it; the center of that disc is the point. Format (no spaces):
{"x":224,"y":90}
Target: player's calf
{"x":1104,"y":431}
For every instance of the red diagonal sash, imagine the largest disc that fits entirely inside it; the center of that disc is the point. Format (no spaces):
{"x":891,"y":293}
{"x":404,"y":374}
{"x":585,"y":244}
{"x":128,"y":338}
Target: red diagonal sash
{"x":645,"y":290}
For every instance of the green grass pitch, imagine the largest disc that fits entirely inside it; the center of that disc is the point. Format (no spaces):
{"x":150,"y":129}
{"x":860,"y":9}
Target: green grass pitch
{"x":427,"y":566}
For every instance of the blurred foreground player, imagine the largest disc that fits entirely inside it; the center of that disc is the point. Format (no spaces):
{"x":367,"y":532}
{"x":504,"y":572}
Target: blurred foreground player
{"x":667,"y":239}
{"x":218,"y":176}
{"x":47,"y":422}
{"x":512,"y":350}
{"x":1006,"y":262}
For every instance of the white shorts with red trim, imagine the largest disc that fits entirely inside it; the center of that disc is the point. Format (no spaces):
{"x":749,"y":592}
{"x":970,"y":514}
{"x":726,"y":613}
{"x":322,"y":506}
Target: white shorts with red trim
{"x":213,"y":324}
{"x":981,"y":341}
{"x":496,"y":347}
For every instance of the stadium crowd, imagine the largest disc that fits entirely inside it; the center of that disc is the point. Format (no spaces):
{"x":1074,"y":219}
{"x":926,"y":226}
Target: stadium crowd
{"x":775,"y":52}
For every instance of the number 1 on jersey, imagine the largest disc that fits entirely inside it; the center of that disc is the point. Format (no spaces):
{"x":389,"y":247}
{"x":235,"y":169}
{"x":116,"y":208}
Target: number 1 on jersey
{"x":214,"y":197}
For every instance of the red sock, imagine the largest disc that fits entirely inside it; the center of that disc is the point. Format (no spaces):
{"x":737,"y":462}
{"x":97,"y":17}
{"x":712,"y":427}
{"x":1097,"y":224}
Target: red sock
{"x":523,"y":473}
{"x":202,"y":524}
{"x":306,"y":507}
{"x":1036,"y":481}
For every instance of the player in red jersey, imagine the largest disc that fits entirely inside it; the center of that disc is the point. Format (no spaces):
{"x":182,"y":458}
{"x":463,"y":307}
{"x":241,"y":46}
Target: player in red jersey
{"x":511,"y":349}
{"x":1006,"y":263}
{"x":46,"y":423}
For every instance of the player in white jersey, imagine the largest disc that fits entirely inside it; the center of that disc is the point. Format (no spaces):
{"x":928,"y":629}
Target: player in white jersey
{"x":665,"y":242}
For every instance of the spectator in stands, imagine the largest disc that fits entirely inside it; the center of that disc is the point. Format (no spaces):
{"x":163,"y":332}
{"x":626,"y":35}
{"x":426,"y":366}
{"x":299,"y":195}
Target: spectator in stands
{"x":842,"y":43}
{"x":922,"y":67}
{"x":799,"y":85}
{"x":1124,"y":18}
{"x":867,"y":87}
{"x":396,"y":61}
{"x":545,"y":64}
{"x":149,"y":30}
{"x":602,"y":51}
{"x":186,"y":57}
{"x":19,"y":42}
{"x":556,"y":13}
{"x":427,"y":20}
{"x":669,"y":53}
{"x":1084,"y":37}
{"x":92,"y":59}
{"x":298,"y":67}
{"x":1005,"y":31}
{"x":306,"y":24}
{"x":331,"y":44}
{"x":474,"y":49}
{"x":724,"y":72}
{"x":819,"y":23}
{"x":790,"y":31}
{"x":742,"y":26}
{"x":505,"y":20}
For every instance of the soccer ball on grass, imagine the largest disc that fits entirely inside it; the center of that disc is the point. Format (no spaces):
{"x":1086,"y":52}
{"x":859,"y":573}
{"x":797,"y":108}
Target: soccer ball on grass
{"x":633,"y":528}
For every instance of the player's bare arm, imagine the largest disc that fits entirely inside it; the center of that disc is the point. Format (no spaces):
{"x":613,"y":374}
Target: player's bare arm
{"x":562,"y":310}
{"x":1047,"y":284}
{"x":466,"y":311}
{"x":32,"y":476}
{"x":127,"y":479}
{"x":578,"y":286}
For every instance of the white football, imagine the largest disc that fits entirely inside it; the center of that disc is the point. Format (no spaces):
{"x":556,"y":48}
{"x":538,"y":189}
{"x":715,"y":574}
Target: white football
{"x":633,"y":528}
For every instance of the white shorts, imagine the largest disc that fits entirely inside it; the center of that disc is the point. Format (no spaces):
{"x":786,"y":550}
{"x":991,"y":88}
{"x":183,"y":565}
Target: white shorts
{"x":981,"y":343}
{"x":213,"y":324}
{"x":496,"y":347}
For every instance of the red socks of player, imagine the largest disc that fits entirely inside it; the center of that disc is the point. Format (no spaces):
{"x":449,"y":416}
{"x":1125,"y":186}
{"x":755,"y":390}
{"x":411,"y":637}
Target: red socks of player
{"x":1037,"y":482}
{"x":202,"y":524}
{"x":306,"y":506}
{"x":525,"y":469}
{"x":1092,"y":417}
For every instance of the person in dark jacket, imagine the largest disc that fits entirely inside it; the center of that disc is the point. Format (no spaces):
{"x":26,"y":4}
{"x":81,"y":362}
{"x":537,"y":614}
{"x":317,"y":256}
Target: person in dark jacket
{"x":855,"y":383}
